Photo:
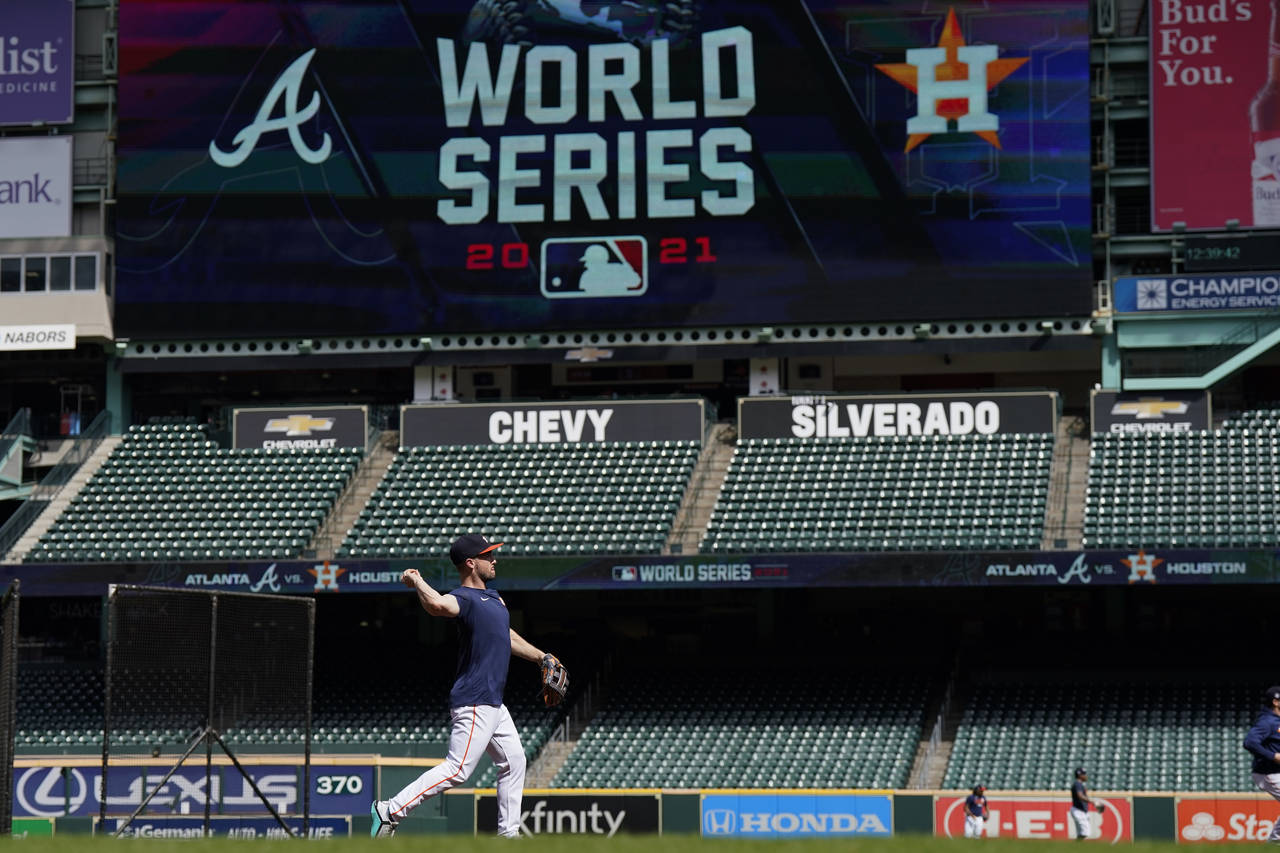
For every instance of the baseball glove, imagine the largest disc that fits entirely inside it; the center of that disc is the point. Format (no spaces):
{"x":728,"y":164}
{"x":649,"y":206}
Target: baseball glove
{"x":555,"y":681}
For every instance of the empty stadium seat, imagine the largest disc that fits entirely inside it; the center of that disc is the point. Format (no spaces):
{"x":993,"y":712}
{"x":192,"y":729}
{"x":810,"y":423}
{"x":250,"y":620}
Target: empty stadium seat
{"x":168,"y":493}
{"x":796,"y":730}
{"x":1129,"y":736}
{"x":917,"y":493}
{"x":1209,"y":489}
{"x":614,"y":498}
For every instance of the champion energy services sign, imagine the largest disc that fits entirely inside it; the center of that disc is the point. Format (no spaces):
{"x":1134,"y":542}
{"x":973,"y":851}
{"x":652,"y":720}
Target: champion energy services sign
{"x":896,"y":415}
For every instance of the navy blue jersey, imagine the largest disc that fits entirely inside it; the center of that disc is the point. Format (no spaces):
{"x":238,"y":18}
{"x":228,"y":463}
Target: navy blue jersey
{"x":976,"y":805}
{"x":484,"y":648}
{"x":1079,"y":796}
{"x":1263,"y":741}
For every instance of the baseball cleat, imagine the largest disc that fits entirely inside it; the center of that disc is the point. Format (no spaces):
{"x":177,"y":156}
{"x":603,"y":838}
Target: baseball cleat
{"x":383,"y":826}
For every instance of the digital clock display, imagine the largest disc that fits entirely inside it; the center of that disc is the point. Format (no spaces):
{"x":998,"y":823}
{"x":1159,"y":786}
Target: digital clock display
{"x":1236,"y":252}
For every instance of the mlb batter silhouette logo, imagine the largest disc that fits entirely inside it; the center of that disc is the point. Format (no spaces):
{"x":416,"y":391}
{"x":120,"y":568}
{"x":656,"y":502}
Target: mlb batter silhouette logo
{"x":594,"y":267}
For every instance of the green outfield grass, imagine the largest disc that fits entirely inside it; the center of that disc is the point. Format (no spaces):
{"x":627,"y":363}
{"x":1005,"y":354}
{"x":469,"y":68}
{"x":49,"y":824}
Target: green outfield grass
{"x":571,"y":844}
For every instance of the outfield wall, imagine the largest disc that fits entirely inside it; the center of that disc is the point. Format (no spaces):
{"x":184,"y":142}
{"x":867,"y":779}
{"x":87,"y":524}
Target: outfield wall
{"x":59,"y":796}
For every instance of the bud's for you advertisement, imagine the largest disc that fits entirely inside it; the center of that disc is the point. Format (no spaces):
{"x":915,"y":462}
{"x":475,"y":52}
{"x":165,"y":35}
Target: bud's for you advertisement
{"x":1215,"y":113}
{"x":475,"y":166}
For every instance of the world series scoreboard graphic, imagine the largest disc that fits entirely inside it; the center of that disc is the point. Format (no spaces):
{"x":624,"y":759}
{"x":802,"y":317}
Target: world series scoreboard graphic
{"x":436,"y":166}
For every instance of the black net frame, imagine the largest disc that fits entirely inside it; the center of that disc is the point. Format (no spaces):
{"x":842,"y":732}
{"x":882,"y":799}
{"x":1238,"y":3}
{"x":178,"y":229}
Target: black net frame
{"x":214,"y":666}
{"x":9,"y":607}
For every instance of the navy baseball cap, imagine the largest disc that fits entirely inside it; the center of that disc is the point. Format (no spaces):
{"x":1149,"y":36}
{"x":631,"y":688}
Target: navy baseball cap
{"x":470,"y":545}
{"x":1271,"y":693}
{"x":1080,"y":771}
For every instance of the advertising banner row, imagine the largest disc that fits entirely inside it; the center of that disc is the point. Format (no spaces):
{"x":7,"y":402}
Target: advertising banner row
{"x":795,"y":417}
{"x":1140,"y":567}
{"x":453,"y":166}
{"x":46,"y":793}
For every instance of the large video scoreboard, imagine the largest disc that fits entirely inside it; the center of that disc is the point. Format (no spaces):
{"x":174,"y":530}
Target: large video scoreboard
{"x":363,"y":166}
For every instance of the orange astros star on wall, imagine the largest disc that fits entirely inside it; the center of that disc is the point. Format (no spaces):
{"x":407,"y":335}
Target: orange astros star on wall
{"x":952,"y":69}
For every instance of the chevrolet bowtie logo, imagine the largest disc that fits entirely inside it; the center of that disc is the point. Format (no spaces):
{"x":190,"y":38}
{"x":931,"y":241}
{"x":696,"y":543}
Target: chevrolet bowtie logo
{"x":1150,"y":407}
{"x":588,"y":354}
{"x":299,"y":425}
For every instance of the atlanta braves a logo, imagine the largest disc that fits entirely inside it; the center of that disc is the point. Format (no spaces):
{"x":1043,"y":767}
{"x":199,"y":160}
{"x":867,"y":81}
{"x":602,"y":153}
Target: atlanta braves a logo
{"x":951,"y":82}
{"x":286,"y":89}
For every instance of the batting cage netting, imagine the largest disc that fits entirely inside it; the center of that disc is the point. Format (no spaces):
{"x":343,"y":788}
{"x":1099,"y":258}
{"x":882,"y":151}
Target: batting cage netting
{"x":8,"y":701}
{"x":205,"y":669}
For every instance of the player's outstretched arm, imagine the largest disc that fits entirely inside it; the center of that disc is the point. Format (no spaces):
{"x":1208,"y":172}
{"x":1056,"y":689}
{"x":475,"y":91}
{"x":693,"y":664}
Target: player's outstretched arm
{"x":433,"y":602}
{"x":522,"y":648}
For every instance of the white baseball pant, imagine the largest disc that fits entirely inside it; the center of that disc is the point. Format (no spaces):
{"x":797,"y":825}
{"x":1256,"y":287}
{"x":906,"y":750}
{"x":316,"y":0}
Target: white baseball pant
{"x":475,"y":727}
{"x":973,"y":826}
{"x":1081,"y":819}
{"x":1270,"y":782}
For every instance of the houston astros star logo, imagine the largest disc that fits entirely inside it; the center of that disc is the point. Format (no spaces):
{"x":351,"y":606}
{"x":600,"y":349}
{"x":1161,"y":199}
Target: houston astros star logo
{"x":951,"y":83}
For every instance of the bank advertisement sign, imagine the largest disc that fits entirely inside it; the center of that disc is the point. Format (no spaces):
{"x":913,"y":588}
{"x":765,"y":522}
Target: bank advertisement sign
{"x":35,"y":185}
{"x":796,"y":815}
{"x":1211,"y":69}
{"x":603,"y":814}
{"x":74,"y":789}
{"x":1247,"y":291}
{"x":864,"y":416}
{"x":37,"y":61}
{"x":551,"y":423}
{"x":1217,"y":820}
{"x":300,"y":429}
{"x":1037,"y":817}
{"x":368,"y":166}
{"x":1150,"y":411}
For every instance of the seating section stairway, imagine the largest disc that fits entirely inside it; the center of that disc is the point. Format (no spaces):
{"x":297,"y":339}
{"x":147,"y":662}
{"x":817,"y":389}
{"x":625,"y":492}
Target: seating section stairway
{"x":907,"y":493}
{"x":609,"y":498}
{"x":168,"y":493}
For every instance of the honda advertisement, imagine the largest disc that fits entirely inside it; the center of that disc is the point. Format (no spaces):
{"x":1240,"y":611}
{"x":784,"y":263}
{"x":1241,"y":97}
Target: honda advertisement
{"x":577,"y":814}
{"x":1214,"y":68}
{"x":818,"y":416}
{"x":37,"y":62}
{"x":300,"y":429}
{"x":1037,"y":817}
{"x":35,"y":185}
{"x":72,"y":790}
{"x":471,"y":167}
{"x":1150,"y":411}
{"x":1214,"y":820}
{"x":551,"y":423}
{"x":796,"y":815}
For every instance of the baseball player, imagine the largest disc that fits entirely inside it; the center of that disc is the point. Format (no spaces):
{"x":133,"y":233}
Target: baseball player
{"x":975,"y":812}
{"x":1080,"y":805}
{"x":479,"y":719}
{"x":1263,"y":740}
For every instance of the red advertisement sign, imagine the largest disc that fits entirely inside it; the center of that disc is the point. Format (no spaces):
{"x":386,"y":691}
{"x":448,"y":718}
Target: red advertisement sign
{"x":1217,"y":820}
{"x":1215,"y":113}
{"x":1036,"y":817}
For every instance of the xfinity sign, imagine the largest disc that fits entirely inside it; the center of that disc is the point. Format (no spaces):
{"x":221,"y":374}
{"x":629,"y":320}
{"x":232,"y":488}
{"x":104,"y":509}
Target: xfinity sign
{"x":796,"y":815}
{"x":36,"y":61}
{"x":35,"y":186}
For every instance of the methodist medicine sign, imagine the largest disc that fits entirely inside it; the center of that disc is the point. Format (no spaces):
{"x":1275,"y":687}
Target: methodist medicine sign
{"x":896,"y":415}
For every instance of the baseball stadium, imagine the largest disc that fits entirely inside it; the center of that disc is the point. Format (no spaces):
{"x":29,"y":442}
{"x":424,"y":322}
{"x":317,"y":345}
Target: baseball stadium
{"x":454,"y":420}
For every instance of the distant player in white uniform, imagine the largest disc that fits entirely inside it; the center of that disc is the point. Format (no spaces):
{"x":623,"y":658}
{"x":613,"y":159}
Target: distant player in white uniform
{"x":479,"y":719}
{"x":975,"y":812}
